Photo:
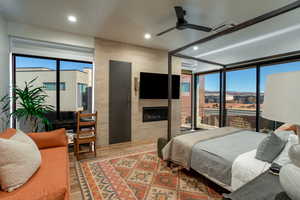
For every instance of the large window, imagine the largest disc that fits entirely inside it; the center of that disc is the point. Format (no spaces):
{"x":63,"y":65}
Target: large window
{"x":186,"y":101}
{"x":241,"y":98}
{"x":75,"y":81}
{"x":208,"y":100}
{"x":266,"y":124}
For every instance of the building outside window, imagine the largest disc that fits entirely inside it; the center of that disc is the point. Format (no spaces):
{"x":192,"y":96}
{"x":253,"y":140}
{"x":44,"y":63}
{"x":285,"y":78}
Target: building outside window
{"x":186,"y":101}
{"x":82,"y":95}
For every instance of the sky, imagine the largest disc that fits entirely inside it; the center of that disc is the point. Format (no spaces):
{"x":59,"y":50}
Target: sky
{"x":245,"y":80}
{"x":51,"y":64}
{"x":237,"y":81}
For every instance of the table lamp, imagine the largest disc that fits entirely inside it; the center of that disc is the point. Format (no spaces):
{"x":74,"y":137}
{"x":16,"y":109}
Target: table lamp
{"x":282,"y":98}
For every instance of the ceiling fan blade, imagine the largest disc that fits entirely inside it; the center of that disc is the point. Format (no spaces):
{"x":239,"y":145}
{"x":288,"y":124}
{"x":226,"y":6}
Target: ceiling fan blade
{"x":166,"y":31}
{"x":197,"y":27}
{"x":180,"y":12}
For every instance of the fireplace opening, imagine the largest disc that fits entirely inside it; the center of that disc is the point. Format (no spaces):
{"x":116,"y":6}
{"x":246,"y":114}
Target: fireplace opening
{"x":151,"y":114}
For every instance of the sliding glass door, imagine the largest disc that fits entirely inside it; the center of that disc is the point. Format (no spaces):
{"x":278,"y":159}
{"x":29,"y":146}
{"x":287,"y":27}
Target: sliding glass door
{"x":66,"y":83}
{"x":207,"y":100}
{"x":241,"y":98}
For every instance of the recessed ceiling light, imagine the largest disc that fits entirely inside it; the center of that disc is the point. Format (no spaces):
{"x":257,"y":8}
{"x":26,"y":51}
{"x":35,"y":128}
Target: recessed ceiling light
{"x":72,"y":18}
{"x":195,"y":48}
{"x":147,"y":36}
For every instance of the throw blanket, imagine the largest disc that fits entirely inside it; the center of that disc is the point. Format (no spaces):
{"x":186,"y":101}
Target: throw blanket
{"x":179,"y":149}
{"x":245,"y":168}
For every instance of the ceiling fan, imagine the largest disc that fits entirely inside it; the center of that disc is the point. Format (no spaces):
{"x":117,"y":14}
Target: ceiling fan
{"x":182,"y":24}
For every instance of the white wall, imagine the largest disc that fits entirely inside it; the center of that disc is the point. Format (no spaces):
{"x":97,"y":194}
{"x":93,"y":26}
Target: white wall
{"x":4,"y":57}
{"x":4,"y":60}
{"x":43,"y":34}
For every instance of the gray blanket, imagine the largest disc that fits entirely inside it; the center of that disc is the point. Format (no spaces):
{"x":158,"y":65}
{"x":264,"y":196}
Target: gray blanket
{"x":179,"y":149}
{"x":214,"y":158}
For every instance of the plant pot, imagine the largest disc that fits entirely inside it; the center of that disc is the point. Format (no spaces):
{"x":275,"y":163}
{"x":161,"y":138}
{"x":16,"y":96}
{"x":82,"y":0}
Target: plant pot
{"x":28,"y":125}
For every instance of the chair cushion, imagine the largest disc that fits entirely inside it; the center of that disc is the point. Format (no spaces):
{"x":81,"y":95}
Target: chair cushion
{"x":269,"y":148}
{"x":20,"y":158}
{"x":50,"y":182}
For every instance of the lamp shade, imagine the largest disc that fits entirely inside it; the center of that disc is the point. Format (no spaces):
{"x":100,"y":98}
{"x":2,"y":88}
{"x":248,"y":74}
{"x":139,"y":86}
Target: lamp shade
{"x":282,"y":98}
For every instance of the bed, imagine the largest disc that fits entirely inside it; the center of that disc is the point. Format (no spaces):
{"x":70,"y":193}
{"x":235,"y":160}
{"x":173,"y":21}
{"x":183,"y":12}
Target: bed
{"x":224,"y":155}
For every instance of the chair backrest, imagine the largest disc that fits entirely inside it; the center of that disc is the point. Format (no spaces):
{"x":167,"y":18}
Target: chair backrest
{"x":88,"y":121}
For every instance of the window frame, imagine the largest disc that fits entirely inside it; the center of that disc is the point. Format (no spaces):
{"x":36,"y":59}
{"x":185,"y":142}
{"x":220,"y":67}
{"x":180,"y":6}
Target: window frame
{"x":222,"y":106}
{"x":58,"y":91}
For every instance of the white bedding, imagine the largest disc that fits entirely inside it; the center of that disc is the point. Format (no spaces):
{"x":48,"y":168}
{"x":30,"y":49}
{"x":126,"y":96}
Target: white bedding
{"x":245,"y":168}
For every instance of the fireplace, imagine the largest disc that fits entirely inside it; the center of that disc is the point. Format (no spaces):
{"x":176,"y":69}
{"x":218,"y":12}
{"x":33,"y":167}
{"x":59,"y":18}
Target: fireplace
{"x":151,"y":114}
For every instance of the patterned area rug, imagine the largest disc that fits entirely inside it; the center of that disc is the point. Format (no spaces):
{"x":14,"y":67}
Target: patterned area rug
{"x":142,"y":176}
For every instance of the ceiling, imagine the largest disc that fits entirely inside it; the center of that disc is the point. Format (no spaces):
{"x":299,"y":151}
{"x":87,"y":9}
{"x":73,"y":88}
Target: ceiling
{"x":128,"y":20}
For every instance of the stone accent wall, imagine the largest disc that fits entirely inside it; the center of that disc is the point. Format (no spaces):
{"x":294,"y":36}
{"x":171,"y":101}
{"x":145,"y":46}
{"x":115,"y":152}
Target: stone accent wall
{"x":143,"y":60}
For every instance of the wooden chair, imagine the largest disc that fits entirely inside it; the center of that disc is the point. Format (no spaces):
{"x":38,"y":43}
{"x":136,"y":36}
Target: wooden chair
{"x":86,"y":132}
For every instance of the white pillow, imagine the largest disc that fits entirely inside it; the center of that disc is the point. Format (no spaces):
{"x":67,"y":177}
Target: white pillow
{"x":283,"y":158}
{"x":19,"y":160}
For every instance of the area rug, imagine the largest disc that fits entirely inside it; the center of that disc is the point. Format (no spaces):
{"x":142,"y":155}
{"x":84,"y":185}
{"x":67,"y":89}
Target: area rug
{"x":142,"y":175}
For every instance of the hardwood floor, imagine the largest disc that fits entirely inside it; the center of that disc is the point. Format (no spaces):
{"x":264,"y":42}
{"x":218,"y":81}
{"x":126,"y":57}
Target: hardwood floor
{"x":102,"y":152}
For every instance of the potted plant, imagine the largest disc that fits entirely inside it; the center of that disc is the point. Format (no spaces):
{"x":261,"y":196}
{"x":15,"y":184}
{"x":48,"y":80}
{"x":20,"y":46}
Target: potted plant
{"x":31,"y":107}
{"x":4,"y":112}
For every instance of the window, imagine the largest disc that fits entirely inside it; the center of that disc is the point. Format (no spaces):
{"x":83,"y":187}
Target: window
{"x":75,"y":78}
{"x":186,"y":101}
{"x":241,"y":98}
{"x":52,"y":86}
{"x":265,"y":124}
{"x":208,"y":100}
{"x":185,"y":87}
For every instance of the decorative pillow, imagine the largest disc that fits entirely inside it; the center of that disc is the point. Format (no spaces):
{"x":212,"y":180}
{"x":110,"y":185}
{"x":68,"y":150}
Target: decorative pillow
{"x":294,"y":154}
{"x":290,"y":180}
{"x":269,"y":148}
{"x":19,"y":160}
{"x":56,"y":138}
{"x":284,"y":135}
{"x":284,"y":157}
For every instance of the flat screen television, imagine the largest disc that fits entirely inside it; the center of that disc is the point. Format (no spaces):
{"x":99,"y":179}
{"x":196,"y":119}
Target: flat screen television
{"x":155,"y":86}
